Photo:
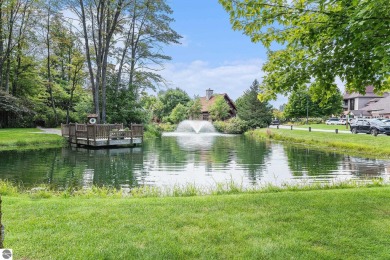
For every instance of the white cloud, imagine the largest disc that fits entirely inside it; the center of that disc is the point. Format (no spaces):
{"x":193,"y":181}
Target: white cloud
{"x":232,"y":78}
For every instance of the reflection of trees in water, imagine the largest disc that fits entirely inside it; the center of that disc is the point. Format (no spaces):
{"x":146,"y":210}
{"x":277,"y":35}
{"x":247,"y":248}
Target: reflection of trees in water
{"x":252,"y":155}
{"x":169,"y":152}
{"x":198,"y":149}
{"x":364,"y":167}
{"x":29,"y":167}
{"x":209,"y":151}
{"x":71,"y":167}
{"x":109,"y":167}
{"x":311,"y":162}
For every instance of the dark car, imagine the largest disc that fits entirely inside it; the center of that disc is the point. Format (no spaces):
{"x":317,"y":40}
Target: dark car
{"x":379,"y":127}
{"x":361,"y":126}
{"x":373,"y":127}
{"x":275,"y":122}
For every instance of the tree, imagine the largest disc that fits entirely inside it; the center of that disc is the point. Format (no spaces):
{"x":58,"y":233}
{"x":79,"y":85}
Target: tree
{"x":220,"y":109}
{"x":250,"y":109}
{"x":100,"y":21}
{"x":179,"y":113}
{"x":194,"y":108}
{"x":170,"y":99}
{"x":145,"y":31}
{"x":318,"y":41}
{"x":300,"y":102}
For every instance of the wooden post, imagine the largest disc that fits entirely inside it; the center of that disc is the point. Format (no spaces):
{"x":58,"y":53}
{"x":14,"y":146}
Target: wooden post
{"x":309,"y":128}
{"x":337,"y":131}
{"x":291,"y":127}
{"x":94,"y":134}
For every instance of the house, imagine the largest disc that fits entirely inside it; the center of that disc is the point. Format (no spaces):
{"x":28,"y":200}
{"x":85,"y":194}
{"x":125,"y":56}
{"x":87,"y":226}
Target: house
{"x":367,"y":105}
{"x":209,"y":100}
{"x":379,"y":107}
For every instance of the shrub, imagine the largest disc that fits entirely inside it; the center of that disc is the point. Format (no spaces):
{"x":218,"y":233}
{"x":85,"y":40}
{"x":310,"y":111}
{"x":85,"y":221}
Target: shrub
{"x":151,"y":131}
{"x":232,"y":126}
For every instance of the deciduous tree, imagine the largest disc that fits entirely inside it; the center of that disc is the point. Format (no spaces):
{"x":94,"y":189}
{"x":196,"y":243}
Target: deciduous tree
{"x":220,"y":109}
{"x":317,"y":41}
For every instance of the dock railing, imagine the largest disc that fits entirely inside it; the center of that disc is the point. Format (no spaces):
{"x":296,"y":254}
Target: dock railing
{"x":75,"y":131}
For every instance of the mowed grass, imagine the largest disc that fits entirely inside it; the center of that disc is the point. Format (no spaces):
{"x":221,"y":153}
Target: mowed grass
{"x":359,"y":144}
{"x":324,"y":127}
{"x":319,"y":224}
{"x":27,"y":138}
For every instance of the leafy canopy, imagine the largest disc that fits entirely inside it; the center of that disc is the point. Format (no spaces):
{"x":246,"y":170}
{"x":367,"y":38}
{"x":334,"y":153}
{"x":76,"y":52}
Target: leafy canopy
{"x":220,"y":109}
{"x":301,"y":101}
{"x":318,"y":41}
{"x":170,"y":99}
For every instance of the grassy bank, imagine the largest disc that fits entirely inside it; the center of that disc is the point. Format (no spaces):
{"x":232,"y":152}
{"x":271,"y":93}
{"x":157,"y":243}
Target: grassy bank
{"x":360,"y":144}
{"x":319,"y":224}
{"x":27,"y":138}
{"x":324,"y":127}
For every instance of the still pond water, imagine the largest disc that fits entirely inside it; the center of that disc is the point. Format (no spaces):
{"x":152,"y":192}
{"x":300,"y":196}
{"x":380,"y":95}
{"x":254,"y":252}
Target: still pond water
{"x":180,"y":159}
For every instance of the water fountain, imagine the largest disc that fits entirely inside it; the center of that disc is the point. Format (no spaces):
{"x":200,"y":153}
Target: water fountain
{"x":195,"y":126}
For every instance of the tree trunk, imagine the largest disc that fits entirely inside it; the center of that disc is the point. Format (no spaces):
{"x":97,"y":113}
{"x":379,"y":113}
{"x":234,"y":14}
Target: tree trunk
{"x":1,"y":45}
{"x":95,"y":91}
{"x":49,"y":85}
{"x":8,"y":51}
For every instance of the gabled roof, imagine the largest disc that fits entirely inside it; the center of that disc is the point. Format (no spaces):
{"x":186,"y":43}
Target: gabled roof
{"x":207,"y":103}
{"x":369,"y":94}
{"x":360,"y":112}
{"x":382,"y":105}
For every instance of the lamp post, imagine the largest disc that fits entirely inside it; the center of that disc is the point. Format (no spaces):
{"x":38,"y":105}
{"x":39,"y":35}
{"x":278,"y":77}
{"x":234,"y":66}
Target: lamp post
{"x":307,"y":108}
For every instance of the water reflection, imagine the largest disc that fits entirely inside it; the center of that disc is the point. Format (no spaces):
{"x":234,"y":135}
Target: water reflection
{"x":203,"y":160}
{"x":305,"y":162}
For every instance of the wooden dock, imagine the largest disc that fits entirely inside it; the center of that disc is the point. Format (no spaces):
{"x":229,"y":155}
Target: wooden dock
{"x":102,"y":135}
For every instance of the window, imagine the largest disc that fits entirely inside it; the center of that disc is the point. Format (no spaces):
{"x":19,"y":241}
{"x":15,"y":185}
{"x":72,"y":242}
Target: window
{"x":352,"y":104}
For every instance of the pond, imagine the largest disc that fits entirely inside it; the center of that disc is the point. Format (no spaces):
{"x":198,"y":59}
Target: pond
{"x":180,"y":159}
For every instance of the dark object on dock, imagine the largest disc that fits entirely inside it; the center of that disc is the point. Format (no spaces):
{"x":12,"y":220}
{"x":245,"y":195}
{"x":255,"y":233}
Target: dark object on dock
{"x":102,"y":135}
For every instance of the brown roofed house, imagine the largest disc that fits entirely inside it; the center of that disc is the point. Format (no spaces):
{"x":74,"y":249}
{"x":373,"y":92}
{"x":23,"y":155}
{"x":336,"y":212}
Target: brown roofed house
{"x":209,"y":100}
{"x":368,"y":104}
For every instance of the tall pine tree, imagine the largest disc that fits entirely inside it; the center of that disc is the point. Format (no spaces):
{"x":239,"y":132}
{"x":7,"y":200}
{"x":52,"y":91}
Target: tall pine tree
{"x":251,"y":110}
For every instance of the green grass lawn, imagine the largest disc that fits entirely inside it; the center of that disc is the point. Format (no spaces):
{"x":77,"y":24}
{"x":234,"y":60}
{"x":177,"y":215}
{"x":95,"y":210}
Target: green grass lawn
{"x":320,"y":224}
{"x":324,"y":127}
{"x":27,"y":138}
{"x":360,"y":144}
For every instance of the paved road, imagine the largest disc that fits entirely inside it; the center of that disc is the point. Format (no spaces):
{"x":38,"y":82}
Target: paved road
{"x":312,"y":129}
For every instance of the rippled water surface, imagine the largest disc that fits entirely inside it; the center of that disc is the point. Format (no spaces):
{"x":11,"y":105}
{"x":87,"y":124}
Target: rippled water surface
{"x":179,"y":159}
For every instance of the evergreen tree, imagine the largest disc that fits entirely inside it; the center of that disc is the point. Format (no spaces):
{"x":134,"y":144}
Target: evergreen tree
{"x":252,"y":110}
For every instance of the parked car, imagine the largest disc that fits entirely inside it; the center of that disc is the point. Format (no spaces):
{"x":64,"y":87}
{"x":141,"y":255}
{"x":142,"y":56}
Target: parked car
{"x":275,"y":122}
{"x":342,"y":121}
{"x":379,"y":127}
{"x":332,"y":121}
{"x":373,"y":126}
{"x":360,"y":126}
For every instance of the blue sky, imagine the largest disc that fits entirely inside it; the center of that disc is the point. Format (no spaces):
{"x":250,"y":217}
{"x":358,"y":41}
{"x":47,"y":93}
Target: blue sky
{"x":211,"y":55}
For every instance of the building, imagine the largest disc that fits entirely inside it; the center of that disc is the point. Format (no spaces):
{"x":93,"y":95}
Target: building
{"x":209,"y":100}
{"x":367,"y":105}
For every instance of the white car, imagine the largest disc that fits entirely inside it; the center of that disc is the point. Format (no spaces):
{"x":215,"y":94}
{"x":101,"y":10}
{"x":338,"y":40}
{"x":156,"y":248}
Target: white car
{"x":332,"y":121}
{"x":342,"y":121}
